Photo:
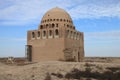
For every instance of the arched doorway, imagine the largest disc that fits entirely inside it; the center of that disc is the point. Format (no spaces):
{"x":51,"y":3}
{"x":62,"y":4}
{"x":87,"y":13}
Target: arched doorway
{"x":28,"y":52}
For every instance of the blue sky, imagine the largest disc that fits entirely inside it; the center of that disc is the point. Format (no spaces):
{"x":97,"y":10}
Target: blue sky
{"x":98,"y":19}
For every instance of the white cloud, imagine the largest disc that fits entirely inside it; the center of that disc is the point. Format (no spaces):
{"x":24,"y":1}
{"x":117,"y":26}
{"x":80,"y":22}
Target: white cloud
{"x":107,"y":37}
{"x":95,"y":11}
{"x":27,"y":10}
{"x":104,"y":34}
{"x":19,"y":39}
{"x":13,"y":39}
{"x":102,"y":43}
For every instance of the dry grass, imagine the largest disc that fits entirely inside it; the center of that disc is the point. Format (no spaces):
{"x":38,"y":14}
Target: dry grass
{"x":60,"y":70}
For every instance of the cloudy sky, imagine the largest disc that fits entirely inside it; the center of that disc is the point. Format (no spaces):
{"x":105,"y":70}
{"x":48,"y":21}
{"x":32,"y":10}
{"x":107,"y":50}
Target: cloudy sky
{"x":98,"y":19}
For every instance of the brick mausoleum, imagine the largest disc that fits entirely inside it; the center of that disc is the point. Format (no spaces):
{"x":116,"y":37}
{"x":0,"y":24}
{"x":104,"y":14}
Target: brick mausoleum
{"x":55,"y":39}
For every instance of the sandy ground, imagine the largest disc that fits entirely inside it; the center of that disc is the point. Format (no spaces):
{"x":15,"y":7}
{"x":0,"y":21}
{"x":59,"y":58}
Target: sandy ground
{"x":38,"y":71}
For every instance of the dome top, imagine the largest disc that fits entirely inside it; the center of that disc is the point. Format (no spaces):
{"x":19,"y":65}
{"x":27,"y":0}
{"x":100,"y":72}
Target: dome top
{"x":56,"y":13}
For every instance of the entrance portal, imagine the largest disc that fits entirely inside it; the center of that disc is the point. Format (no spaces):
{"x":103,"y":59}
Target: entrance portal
{"x":28,"y":50}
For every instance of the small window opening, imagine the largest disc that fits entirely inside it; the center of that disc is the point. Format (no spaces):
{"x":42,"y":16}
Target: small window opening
{"x":56,"y":32}
{"x":44,"y":33}
{"x":33,"y":35}
{"x":38,"y":34}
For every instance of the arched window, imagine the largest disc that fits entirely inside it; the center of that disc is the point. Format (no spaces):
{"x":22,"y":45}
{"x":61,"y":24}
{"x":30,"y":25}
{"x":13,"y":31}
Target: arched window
{"x":50,"y":19}
{"x":56,"y":32}
{"x":60,"y":19}
{"x":50,"y":33}
{"x":53,"y":25}
{"x":68,"y":33}
{"x":74,"y":27}
{"x":71,"y":34}
{"x":38,"y":34}
{"x":74,"y":35}
{"x":46,"y":25}
{"x":77,"y":36}
{"x":44,"y":33}
{"x":41,"y":27}
{"x":56,"y":25}
{"x":57,"y":19}
{"x":67,"y":25}
{"x":33,"y":35}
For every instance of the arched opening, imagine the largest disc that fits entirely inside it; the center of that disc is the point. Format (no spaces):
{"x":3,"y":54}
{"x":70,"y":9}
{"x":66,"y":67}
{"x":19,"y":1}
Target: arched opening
{"x":68,"y":26}
{"x":33,"y":35}
{"x":68,"y":33}
{"x":28,"y":52}
{"x":50,"y":33}
{"x":50,"y":19}
{"x":77,"y":36}
{"x":45,"y":20}
{"x":56,"y":32}
{"x":41,"y":27}
{"x":71,"y":33}
{"x":38,"y":34}
{"x":57,"y":19}
{"x":44,"y":33}
{"x":74,"y":27}
{"x":74,"y":35}
{"x":56,"y":25}
{"x":53,"y":25}
{"x":46,"y":25}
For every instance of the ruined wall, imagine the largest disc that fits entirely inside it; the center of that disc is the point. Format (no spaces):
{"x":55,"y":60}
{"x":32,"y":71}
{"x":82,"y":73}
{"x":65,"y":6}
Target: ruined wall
{"x":74,"y":41}
{"x":47,"y":49}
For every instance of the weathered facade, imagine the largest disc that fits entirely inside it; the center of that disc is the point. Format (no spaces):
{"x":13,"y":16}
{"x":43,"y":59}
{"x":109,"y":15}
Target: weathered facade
{"x":55,"y":39}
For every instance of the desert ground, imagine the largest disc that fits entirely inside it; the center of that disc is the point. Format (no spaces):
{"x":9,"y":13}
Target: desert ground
{"x":92,"y":68}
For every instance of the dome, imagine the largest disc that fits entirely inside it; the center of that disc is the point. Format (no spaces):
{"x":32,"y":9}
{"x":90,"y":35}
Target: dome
{"x":56,"y":13}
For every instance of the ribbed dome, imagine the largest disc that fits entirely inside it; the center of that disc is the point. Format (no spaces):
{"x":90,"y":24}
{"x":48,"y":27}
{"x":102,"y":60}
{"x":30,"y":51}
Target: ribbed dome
{"x":56,"y":13}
